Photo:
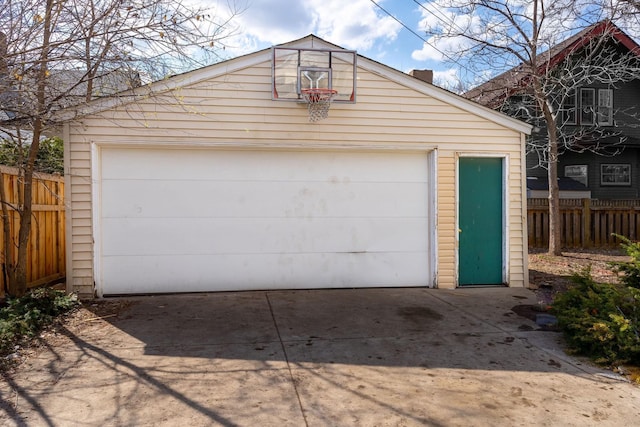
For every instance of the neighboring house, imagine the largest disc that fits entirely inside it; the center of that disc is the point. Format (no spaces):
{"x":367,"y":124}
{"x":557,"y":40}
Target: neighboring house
{"x":600,"y":123}
{"x":70,"y":87}
{"x":216,"y":180}
{"x":538,"y":188}
{"x":65,"y":88}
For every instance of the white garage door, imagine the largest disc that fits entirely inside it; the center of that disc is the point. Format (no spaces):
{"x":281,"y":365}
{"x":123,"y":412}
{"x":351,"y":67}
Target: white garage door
{"x":213,"y":220}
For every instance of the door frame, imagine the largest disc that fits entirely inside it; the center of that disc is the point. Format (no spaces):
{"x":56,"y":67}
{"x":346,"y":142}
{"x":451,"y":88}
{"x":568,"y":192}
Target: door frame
{"x":505,"y":210}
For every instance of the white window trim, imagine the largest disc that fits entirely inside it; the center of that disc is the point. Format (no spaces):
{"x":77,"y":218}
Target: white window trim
{"x":566,"y":112}
{"x":591,"y":107}
{"x":583,"y":178}
{"x":608,"y":121}
{"x":604,"y":165}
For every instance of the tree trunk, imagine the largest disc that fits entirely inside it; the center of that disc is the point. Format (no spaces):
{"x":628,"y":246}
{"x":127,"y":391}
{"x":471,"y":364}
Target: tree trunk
{"x":555,"y":243}
{"x":7,"y":246}
{"x":17,"y":285}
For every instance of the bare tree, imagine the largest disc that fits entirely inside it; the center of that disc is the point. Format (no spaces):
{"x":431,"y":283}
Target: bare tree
{"x":634,"y":5}
{"x":593,"y":57}
{"x":531,"y":43}
{"x":59,"y":53}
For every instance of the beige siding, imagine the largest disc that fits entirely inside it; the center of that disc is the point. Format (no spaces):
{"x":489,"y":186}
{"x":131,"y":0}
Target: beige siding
{"x":237,"y":109}
{"x":447,"y":218}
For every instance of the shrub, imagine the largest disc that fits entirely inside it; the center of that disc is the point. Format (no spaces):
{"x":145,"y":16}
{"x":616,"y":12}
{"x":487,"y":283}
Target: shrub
{"x":600,"y":320}
{"x":630,"y":271}
{"x":26,"y":316}
{"x":49,"y":158}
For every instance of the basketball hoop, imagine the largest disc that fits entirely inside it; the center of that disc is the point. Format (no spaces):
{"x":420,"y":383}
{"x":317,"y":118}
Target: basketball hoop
{"x":318,"y":101}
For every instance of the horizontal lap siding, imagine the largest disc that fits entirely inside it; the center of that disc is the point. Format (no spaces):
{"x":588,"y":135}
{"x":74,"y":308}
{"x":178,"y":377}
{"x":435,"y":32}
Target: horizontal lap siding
{"x":80,"y":262}
{"x":237,"y":108}
{"x":447,"y":214}
{"x":517,"y":221}
{"x":340,"y":118}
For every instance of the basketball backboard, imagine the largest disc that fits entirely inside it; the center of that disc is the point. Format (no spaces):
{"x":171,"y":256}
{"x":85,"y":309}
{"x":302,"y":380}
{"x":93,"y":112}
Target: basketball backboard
{"x":295,"y":69}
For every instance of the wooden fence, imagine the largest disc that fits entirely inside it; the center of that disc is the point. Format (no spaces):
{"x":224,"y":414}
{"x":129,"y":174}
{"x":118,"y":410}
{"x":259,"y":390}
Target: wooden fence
{"x":46,"y":250}
{"x":584,"y":222}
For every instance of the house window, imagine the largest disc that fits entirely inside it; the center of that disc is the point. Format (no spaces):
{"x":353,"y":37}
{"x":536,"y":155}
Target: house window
{"x":577,"y":173}
{"x":568,"y":113}
{"x":605,"y":107}
{"x":593,"y":109}
{"x":587,"y":106}
{"x":615,"y":174}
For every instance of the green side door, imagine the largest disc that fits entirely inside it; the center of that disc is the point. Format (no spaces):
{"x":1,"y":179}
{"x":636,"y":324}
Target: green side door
{"x":480,"y":221}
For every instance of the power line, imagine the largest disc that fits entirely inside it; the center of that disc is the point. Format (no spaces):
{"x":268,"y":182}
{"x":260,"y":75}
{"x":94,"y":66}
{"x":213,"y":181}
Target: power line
{"x":442,"y":17}
{"x":420,"y":37}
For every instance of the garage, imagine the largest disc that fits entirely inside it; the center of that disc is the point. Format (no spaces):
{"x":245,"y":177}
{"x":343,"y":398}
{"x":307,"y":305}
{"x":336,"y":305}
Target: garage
{"x":190,"y":220}
{"x":301,"y":166}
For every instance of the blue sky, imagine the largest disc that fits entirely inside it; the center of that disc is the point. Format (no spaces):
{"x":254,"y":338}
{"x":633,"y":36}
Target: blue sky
{"x":352,"y":24}
{"x":364,"y":26}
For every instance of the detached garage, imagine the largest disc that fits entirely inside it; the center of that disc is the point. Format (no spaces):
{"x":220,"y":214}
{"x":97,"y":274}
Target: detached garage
{"x":225,"y":179}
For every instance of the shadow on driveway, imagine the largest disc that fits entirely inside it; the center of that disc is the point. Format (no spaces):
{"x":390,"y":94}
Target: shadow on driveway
{"x":313,"y":358}
{"x":469,"y":329}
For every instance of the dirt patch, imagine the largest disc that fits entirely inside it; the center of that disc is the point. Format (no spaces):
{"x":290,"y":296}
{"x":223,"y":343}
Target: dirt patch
{"x":91,"y":315}
{"x":550,"y":275}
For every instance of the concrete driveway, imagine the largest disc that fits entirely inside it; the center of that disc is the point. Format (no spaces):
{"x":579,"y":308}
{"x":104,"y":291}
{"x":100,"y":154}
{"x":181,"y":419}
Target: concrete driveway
{"x":374,"y":357}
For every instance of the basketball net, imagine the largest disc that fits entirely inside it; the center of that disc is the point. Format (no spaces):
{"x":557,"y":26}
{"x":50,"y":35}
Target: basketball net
{"x":318,"y":101}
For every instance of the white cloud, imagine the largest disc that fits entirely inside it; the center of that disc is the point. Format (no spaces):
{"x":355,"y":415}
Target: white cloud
{"x":436,"y":50}
{"x":433,"y":15}
{"x":448,"y":79}
{"x":276,"y":21}
{"x":447,"y":75}
{"x":356,"y":24}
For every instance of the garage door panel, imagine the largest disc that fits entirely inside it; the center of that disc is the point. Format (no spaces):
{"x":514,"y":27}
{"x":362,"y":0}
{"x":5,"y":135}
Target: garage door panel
{"x":174,"y":236}
{"x":168,"y":199}
{"x":234,"y":165}
{"x":123,"y":275}
{"x":211,"y":220}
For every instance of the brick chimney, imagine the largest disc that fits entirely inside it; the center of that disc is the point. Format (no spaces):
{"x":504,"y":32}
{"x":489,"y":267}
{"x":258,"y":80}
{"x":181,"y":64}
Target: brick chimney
{"x":424,"y":75}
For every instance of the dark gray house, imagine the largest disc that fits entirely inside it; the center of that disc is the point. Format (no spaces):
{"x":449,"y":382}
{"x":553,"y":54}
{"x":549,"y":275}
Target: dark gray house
{"x":598,"y":115}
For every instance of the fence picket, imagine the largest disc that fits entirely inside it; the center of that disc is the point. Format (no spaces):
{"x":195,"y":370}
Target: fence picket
{"x":584,"y":222}
{"x":46,"y":247}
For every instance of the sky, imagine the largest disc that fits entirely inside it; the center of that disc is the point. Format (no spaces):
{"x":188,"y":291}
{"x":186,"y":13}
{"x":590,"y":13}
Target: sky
{"x":389,"y":31}
{"x":352,"y":24}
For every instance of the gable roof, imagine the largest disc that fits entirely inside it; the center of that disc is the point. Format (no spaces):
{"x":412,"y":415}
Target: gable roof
{"x":493,"y":91}
{"x":309,"y":41}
